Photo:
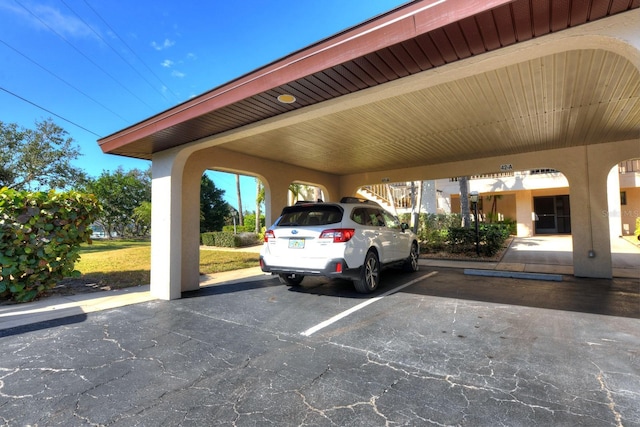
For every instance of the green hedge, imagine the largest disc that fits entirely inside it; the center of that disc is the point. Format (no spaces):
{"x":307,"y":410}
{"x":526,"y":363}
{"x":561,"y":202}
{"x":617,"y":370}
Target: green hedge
{"x":226,"y":239}
{"x":40,"y":234}
{"x":491,"y":238}
{"x":239,"y":228}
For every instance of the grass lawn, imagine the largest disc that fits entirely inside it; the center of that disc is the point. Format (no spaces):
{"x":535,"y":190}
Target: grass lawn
{"x":124,"y":263}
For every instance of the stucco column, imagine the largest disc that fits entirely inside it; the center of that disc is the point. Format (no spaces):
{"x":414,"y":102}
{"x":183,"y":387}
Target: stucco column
{"x":190,"y":193}
{"x":275,"y":197}
{"x":524,"y":213}
{"x":166,"y":225}
{"x":589,"y":219}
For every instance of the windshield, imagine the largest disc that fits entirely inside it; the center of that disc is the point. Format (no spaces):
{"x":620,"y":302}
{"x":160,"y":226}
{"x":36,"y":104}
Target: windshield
{"x":311,"y":215}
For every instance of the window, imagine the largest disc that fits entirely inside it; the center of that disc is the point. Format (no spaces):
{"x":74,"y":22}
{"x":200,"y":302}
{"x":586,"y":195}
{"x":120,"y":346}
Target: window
{"x":298,"y":215}
{"x":623,"y":198}
{"x":392,"y":222}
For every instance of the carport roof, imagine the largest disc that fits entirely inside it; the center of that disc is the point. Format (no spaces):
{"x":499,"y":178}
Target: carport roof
{"x":529,"y":106}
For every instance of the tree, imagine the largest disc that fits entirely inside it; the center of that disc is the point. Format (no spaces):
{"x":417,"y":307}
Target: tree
{"x":142,"y":217}
{"x":240,"y":215}
{"x":259,"y":200}
{"x":493,"y":215}
{"x":213,"y":208}
{"x":120,"y":193}
{"x":40,"y":158}
{"x":295,"y":190}
{"x":463,"y":181}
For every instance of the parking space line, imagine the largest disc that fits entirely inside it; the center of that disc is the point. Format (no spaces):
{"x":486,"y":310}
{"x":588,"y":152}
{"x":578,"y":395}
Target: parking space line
{"x":345,"y":313}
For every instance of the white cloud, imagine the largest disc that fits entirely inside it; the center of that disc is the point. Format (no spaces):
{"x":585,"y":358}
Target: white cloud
{"x":178,"y":74}
{"x":49,"y":18}
{"x":192,"y":56}
{"x":167,"y":63}
{"x":164,"y":45}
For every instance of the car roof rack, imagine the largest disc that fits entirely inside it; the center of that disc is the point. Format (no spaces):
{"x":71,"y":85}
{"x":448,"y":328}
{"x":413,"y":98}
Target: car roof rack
{"x":306,"y":202}
{"x":350,"y":199}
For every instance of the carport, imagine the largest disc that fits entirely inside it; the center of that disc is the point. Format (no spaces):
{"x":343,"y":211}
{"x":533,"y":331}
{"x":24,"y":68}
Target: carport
{"x":433,"y":89}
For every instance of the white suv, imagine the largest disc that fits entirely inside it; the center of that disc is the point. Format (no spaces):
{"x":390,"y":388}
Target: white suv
{"x":353,"y":239}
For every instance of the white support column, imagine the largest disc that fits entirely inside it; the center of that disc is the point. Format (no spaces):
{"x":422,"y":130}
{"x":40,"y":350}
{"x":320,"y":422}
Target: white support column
{"x":190,"y":193}
{"x":276,"y":192}
{"x":166,"y":226}
{"x":589,"y":221}
{"x":524,"y":214}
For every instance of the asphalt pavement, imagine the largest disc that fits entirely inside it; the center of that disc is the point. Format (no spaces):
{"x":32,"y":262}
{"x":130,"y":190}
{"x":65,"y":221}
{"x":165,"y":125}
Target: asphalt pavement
{"x":435,"y":347}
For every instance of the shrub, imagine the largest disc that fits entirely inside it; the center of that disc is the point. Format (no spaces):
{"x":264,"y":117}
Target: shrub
{"x":239,"y":228}
{"x":637,"y":232}
{"x":226,"y":239}
{"x":461,"y":239}
{"x":40,"y":236}
{"x":511,"y":225}
{"x":208,"y":239}
{"x":433,"y":230}
{"x":491,"y":238}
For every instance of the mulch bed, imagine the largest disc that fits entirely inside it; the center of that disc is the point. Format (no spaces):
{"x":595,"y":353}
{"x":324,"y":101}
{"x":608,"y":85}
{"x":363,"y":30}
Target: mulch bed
{"x":469,"y":256}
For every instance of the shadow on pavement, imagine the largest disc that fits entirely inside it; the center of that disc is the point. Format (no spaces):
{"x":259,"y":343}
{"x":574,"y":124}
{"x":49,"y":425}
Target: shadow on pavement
{"x":70,"y":320}
{"x":614,"y":297}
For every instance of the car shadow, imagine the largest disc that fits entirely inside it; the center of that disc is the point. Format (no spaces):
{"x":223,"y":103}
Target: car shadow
{"x":344,"y":288}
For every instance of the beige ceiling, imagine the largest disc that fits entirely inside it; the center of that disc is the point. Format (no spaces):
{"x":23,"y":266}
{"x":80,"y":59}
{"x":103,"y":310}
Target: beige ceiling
{"x":561,"y":100}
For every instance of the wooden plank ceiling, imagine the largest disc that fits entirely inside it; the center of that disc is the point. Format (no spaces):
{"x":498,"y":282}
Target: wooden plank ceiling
{"x":534,"y":105}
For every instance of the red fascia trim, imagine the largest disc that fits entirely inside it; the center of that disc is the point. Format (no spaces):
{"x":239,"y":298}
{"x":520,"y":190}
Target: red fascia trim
{"x":402,"y":24}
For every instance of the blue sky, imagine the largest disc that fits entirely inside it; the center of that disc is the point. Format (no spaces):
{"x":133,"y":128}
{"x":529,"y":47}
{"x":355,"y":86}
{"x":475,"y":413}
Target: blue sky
{"x":104,"y":65}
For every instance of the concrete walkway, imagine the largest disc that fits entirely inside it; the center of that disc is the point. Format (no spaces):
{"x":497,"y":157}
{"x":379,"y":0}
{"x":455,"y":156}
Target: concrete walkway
{"x":540,"y":254}
{"x":550,"y":255}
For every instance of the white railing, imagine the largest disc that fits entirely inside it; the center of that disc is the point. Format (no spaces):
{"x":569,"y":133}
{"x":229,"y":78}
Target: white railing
{"x":629,"y":166}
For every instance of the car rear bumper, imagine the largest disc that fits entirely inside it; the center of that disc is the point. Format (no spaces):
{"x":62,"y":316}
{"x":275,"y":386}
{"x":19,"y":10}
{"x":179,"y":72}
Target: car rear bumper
{"x":335,"y":268}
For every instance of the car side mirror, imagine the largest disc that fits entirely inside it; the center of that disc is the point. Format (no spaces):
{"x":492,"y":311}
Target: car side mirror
{"x":404,"y":226}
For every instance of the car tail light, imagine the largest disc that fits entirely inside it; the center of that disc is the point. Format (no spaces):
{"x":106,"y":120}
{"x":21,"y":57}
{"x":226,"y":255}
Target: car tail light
{"x":339,"y":235}
{"x":269,"y":234}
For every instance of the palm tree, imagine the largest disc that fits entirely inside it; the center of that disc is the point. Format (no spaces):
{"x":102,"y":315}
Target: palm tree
{"x":240,"y":215}
{"x":493,"y":216}
{"x":259,"y":200}
{"x":463,"y":181}
{"x":295,"y":190}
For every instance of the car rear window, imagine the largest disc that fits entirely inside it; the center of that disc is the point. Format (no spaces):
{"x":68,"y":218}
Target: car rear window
{"x":311,"y":215}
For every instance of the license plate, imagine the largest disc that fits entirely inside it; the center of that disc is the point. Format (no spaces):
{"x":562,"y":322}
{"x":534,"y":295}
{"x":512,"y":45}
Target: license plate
{"x":296,"y":243}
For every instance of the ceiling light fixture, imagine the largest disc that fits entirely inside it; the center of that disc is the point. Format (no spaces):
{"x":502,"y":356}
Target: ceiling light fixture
{"x":286,"y":98}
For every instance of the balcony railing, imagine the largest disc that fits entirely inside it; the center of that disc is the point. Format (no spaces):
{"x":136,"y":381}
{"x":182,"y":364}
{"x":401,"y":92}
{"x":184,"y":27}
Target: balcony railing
{"x":397,"y":195}
{"x":629,"y":166}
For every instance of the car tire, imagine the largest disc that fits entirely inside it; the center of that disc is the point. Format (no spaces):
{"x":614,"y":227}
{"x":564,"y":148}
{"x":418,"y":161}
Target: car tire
{"x":369,"y":274}
{"x":411,"y":263}
{"x":290,"y":279}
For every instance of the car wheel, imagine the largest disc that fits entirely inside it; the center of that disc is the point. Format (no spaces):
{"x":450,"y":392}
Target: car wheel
{"x":290,"y":279}
{"x":369,"y":274}
{"x":411,"y":263}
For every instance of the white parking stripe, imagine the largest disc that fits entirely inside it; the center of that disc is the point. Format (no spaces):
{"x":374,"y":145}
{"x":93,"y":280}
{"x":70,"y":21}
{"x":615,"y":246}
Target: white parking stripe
{"x":345,"y":313}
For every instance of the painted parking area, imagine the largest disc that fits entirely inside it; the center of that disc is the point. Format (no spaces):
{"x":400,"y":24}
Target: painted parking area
{"x":447,"y":349}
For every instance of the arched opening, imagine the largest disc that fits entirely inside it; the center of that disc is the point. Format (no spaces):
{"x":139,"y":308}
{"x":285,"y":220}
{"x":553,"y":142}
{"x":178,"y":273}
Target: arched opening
{"x":535,"y":201}
{"x":623,"y":196}
{"x":628,"y":175}
{"x":299,"y":191}
{"x":243,"y":196}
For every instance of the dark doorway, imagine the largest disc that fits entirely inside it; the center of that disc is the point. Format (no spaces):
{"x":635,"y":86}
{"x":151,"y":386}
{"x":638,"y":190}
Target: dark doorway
{"x":553,"y":215}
